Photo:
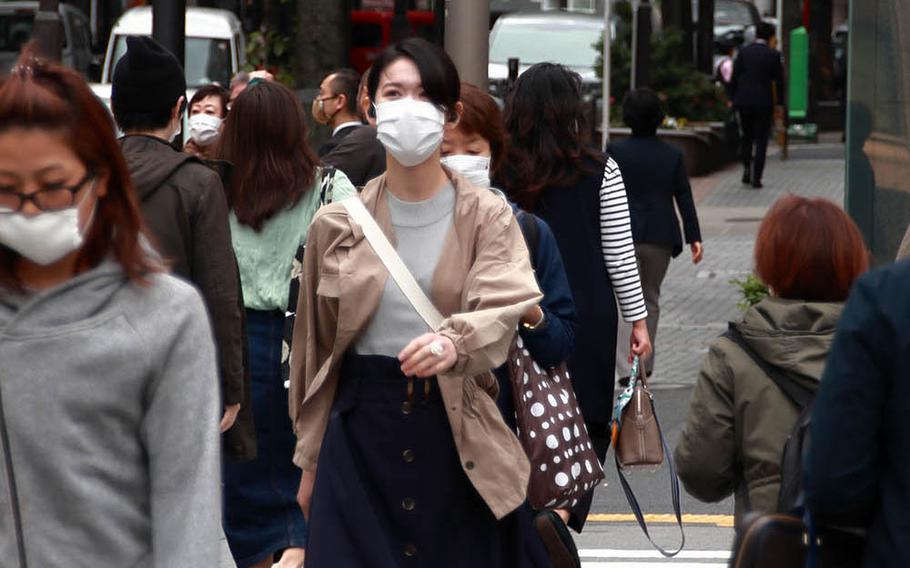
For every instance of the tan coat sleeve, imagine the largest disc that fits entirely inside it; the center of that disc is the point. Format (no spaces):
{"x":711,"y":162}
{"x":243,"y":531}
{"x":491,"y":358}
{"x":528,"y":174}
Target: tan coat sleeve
{"x":706,"y":452}
{"x":499,"y":288}
{"x":904,"y":251}
{"x":311,"y":352}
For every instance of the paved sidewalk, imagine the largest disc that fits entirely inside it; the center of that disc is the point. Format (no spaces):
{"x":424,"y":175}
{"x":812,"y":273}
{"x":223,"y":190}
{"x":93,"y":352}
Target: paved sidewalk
{"x":698,"y":301}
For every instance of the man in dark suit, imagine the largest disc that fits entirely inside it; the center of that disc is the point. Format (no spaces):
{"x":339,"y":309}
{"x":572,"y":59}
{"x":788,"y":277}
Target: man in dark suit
{"x":757,"y":72}
{"x":360,"y":155}
{"x":336,"y":106}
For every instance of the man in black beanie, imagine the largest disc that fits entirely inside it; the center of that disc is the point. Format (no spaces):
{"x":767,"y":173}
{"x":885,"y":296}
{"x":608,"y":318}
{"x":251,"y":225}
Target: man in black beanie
{"x":184,"y":206}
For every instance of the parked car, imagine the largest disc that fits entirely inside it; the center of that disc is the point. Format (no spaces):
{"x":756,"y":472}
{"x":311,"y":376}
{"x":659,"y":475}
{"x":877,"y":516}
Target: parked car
{"x":213,"y":53}
{"x":17,"y":20}
{"x":731,"y":20}
{"x":371,"y":32}
{"x":534,"y":37}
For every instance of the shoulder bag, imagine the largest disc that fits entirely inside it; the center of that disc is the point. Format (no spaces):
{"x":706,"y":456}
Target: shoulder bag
{"x":638,"y":443}
{"x":564,"y":466}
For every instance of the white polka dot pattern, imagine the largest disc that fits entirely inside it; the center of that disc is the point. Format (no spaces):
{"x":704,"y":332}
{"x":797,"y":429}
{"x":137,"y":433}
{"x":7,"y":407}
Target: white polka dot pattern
{"x":565,"y":466}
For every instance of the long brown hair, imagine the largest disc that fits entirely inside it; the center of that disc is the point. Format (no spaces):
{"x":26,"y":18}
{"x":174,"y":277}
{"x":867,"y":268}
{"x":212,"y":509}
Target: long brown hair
{"x":809,"y":249}
{"x":43,"y":95}
{"x":547,"y":138}
{"x":265,"y":137}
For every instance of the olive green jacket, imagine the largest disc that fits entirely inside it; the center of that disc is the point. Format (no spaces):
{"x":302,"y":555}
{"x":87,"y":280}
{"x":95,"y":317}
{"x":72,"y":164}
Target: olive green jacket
{"x":739,"y":420}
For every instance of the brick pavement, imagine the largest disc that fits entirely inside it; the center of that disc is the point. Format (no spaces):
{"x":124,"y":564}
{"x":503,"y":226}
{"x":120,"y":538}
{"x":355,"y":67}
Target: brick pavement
{"x":697,"y":301}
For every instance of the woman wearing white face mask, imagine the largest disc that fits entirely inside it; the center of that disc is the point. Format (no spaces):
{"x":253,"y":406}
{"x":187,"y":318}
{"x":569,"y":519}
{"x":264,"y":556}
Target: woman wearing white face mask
{"x":207,"y":110}
{"x":406,"y":458}
{"x":108,"y":384}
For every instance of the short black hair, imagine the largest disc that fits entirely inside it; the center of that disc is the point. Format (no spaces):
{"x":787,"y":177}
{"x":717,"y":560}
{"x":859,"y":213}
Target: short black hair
{"x":641,"y":111}
{"x":438,"y":74}
{"x":346,"y":81}
{"x":212,"y":90}
{"x":765,"y":31}
{"x":134,"y":121}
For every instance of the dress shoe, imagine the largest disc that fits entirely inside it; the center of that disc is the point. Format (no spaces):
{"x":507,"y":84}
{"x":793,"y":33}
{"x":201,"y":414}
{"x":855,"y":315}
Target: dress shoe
{"x":747,"y":177}
{"x":757,"y":185}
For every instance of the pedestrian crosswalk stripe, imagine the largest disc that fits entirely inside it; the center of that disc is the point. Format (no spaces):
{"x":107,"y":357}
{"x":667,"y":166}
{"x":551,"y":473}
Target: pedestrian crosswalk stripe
{"x":641,"y":554}
{"x":725,"y":521}
{"x":670,"y":562}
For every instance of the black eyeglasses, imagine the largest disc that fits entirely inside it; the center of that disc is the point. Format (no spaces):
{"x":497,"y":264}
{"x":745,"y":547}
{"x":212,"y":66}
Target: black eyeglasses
{"x":48,"y":199}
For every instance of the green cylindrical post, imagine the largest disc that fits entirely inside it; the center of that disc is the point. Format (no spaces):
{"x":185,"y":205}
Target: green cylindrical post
{"x":798,"y":80}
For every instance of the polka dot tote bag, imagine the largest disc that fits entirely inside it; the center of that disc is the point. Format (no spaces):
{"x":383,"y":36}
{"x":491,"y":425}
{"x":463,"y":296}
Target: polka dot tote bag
{"x":552,"y":431}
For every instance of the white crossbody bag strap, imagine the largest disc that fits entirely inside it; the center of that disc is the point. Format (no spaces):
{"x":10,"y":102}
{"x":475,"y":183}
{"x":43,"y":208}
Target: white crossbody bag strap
{"x":393,"y":263}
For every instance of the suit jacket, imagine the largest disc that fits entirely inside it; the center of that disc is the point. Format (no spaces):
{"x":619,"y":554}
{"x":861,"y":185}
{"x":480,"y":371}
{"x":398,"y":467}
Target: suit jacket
{"x":857,"y":471}
{"x":756,"y":68}
{"x":655,"y":176}
{"x":360,"y":155}
{"x":483,"y":283}
{"x":336,"y":139}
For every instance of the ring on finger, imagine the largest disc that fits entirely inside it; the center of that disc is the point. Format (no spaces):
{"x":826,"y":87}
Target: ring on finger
{"x":436,"y":349}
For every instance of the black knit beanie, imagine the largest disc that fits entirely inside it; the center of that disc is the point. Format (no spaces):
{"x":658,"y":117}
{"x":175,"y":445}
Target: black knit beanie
{"x":147,"y":78}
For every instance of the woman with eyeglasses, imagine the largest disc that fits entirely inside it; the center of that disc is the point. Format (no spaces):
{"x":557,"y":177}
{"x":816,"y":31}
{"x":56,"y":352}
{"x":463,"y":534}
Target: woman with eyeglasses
{"x":406,"y":458}
{"x":109,"y":412}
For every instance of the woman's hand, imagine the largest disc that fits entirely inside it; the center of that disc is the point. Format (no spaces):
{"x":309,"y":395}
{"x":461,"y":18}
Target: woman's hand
{"x":305,"y":492}
{"x":229,"y":417}
{"x":533,"y":317}
{"x":641,"y":340}
{"x":698,"y":251}
{"x":419,"y":360}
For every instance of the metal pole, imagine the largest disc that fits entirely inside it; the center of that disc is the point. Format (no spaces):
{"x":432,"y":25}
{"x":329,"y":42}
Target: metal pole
{"x":48,"y":30}
{"x":467,"y":38}
{"x":706,"y":36}
{"x":400,"y":28}
{"x":605,"y":126}
{"x":779,"y":14}
{"x":641,"y":45}
{"x":169,"y":26}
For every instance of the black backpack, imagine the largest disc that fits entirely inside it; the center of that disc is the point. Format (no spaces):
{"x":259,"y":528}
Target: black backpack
{"x":791,"y":464}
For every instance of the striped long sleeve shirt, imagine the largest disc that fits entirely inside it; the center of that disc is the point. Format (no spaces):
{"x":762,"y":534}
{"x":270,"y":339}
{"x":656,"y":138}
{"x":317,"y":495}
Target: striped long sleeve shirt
{"x":617,"y":245}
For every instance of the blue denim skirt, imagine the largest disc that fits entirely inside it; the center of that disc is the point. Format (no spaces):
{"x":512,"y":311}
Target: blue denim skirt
{"x":390,"y":491}
{"x":261,"y":514}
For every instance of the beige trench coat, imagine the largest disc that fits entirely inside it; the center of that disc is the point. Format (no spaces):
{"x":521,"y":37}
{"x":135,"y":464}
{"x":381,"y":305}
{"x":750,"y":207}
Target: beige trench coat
{"x":482,"y":284}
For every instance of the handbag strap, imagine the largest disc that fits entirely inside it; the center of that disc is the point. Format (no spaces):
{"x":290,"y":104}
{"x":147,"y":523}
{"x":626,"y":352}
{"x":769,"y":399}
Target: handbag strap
{"x":798,"y":395}
{"x":393,"y":263}
{"x":674,"y":494}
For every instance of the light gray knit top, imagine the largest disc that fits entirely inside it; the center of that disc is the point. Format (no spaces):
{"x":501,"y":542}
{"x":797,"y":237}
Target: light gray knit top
{"x":420,"y":230}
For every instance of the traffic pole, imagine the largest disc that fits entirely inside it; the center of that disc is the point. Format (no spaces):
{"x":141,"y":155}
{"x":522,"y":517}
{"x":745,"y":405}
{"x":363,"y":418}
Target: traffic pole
{"x":169,"y":26}
{"x":467,"y":39}
{"x":48,"y":30}
{"x":641,"y":45}
{"x":605,"y":124}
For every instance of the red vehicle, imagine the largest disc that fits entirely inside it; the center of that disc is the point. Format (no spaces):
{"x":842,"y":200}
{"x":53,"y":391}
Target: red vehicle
{"x":371,"y":32}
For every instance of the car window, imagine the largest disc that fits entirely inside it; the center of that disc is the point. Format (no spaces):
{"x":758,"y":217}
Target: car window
{"x":732,"y":13}
{"x":535,"y":43}
{"x":206,"y":60}
{"x":15,"y":30}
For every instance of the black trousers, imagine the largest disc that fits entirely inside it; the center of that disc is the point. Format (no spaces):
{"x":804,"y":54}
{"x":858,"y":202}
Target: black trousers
{"x":756,"y":125}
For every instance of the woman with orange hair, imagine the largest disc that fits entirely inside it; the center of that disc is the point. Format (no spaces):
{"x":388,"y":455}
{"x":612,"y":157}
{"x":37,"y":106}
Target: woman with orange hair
{"x":808,"y":252}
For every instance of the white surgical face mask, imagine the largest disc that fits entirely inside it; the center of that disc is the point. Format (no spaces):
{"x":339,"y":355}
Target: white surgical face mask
{"x":204,"y":128}
{"x":46,"y":237}
{"x":410,"y":130}
{"x":475,"y":168}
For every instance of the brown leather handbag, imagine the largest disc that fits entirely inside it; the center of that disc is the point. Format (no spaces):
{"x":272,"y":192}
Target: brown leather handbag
{"x":552,"y":432}
{"x":638,"y":443}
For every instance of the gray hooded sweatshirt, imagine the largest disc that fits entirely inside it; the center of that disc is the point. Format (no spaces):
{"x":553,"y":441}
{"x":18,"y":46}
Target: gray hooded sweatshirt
{"x":109,"y":443}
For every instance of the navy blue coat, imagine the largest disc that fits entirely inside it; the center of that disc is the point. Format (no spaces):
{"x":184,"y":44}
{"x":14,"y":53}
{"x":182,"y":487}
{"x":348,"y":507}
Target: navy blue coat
{"x":858,"y":466}
{"x":755,"y":69}
{"x":553,"y":344}
{"x":655,"y":175}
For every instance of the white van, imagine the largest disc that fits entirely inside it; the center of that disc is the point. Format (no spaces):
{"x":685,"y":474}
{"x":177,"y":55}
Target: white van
{"x":214,"y":51}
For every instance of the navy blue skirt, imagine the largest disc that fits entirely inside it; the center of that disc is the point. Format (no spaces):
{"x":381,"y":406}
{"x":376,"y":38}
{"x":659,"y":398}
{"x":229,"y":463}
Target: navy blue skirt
{"x":390,"y":490}
{"x":261,"y":514}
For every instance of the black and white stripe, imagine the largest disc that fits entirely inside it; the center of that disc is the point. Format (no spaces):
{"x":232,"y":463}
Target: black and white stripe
{"x":617,"y":245}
